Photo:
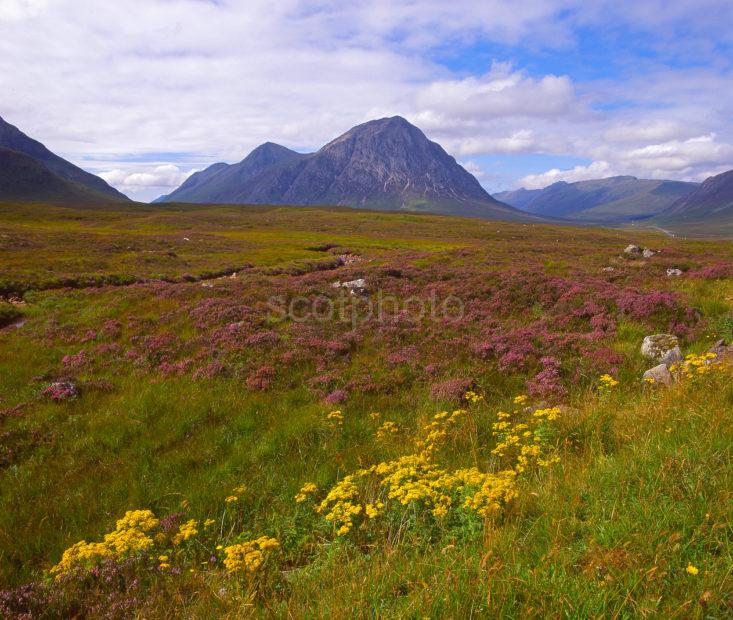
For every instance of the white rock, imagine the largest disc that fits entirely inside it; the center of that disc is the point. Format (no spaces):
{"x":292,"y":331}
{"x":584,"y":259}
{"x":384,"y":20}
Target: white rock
{"x":647,"y":253}
{"x":632,"y":249}
{"x":659,"y":375}
{"x":674,"y":273}
{"x":355,"y":287}
{"x":656,"y":346}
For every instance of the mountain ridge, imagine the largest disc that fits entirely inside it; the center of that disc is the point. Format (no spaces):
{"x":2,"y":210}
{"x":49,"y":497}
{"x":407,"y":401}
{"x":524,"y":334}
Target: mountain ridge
{"x":608,"y":200}
{"x":712,"y":200}
{"x":13,"y":139}
{"x":385,"y":164}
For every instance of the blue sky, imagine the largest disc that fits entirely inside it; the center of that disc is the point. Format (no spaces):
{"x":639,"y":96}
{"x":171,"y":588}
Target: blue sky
{"x":522,"y":92}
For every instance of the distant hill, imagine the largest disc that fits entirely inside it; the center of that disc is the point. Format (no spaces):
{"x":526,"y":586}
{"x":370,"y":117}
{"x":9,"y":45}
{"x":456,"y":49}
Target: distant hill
{"x":382,"y":164}
{"x":611,"y":200}
{"x":25,"y":179}
{"x":238,"y":183}
{"x":79,"y":183}
{"x":712,"y":200}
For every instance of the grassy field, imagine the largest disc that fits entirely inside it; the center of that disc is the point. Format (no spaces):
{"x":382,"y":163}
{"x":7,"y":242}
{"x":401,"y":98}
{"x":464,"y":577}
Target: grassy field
{"x":208,"y":351}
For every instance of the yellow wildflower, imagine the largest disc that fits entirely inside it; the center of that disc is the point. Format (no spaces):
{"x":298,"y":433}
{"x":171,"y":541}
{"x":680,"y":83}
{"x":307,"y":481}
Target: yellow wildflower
{"x":374,"y":510}
{"x":692,"y":570}
{"x":472,"y":397}
{"x":248,"y":557}
{"x":307,"y":489}
{"x":186,"y":531}
{"x":386,"y":429}
{"x":129,"y":537}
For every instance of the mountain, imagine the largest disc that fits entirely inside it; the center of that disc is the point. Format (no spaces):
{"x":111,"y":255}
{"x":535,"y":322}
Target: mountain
{"x":86,"y":186}
{"x":188,"y":188}
{"x":713,"y":199}
{"x":238,"y":183}
{"x":518,"y":198}
{"x":611,"y":200}
{"x":382,"y":164}
{"x":25,"y":179}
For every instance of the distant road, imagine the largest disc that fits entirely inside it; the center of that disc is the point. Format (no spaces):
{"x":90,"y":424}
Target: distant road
{"x":669,"y":233}
{"x":665,"y":231}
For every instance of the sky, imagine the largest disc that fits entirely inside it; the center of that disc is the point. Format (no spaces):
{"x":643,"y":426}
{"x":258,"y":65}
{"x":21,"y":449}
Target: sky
{"x":523,"y":93}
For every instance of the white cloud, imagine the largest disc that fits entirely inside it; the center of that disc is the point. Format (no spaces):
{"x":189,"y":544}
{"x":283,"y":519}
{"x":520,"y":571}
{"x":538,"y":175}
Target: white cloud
{"x":694,"y":159}
{"x":679,"y":155}
{"x":16,"y":10}
{"x":473,"y":168}
{"x":645,"y":131}
{"x":109,"y":82}
{"x":165,"y":175}
{"x":146,"y":182}
{"x":500,"y":93}
{"x":595,"y":170}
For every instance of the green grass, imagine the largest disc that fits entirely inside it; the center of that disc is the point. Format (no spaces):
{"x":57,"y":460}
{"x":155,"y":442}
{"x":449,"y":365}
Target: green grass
{"x":642,"y":489}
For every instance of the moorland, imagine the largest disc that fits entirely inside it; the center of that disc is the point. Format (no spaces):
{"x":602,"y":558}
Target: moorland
{"x":326,"y":412}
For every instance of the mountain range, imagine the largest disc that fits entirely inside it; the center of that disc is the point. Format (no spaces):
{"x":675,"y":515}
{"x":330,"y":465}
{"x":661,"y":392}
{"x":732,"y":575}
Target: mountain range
{"x":386,"y":164}
{"x":30,"y":172}
{"x":611,"y":200}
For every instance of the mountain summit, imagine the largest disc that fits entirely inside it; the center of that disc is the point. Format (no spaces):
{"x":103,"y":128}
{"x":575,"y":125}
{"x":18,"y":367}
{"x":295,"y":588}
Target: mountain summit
{"x":31,"y":172}
{"x":382,"y":164}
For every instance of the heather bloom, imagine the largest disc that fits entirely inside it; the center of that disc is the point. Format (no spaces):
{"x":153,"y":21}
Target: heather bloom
{"x":76,"y":361}
{"x":336,"y":397}
{"x":262,"y":378}
{"x":61,"y":391}
{"x":450,"y":390}
{"x":547,"y":382}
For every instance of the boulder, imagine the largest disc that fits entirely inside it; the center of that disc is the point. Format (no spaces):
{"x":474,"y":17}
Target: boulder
{"x":655,"y":347}
{"x":674,"y":273}
{"x":723,"y":351}
{"x":659,"y":375}
{"x":673,"y":356}
{"x":355,"y":287}
{"x":632,"y":250}
{"x":647,"y":253}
